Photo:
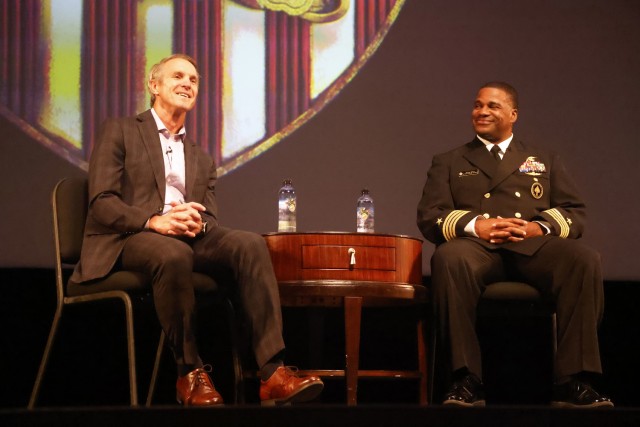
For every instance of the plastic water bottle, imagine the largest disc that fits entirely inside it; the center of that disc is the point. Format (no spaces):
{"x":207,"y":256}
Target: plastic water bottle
{"x":365,"y":213}
{"x":287,"y":207}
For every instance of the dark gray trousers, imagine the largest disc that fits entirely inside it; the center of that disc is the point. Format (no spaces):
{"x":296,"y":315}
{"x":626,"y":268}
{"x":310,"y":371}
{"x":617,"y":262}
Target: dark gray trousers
{"x":565,"y":270}
{"x":222,"y":253}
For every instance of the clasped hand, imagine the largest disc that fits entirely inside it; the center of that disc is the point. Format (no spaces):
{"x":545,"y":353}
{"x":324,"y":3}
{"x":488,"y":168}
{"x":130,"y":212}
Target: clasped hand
{"x":183,"y":219}
{"x":502,"y":230}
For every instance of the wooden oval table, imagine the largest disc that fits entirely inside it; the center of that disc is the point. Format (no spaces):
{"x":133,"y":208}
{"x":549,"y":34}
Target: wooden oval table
{"x":352,"y":270}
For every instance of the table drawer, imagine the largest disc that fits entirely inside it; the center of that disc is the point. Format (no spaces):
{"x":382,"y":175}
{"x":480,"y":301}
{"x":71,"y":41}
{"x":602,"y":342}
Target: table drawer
{"x":325,"y":256}
{"x":352,"y":257}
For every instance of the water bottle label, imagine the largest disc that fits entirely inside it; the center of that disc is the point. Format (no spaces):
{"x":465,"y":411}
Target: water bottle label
{"x":287,"y":215}
{"x":364,"y":220}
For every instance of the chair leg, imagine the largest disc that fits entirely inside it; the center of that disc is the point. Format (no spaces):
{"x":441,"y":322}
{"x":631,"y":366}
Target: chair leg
{"x":432,"y":358}
{"x":554,"y":339}
{"x":422,"y":361}
{"x":131,"y":351}
{"x":238,"y":389}
{"x":156,"y":368}
{"x":45,"y":357}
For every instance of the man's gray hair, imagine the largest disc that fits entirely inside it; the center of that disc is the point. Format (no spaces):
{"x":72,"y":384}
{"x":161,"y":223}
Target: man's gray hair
{"x":156,"y":70}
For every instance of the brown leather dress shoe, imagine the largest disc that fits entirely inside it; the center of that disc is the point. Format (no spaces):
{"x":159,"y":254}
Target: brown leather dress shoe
{"x":196,"y":389}
{"x":286,"y":386}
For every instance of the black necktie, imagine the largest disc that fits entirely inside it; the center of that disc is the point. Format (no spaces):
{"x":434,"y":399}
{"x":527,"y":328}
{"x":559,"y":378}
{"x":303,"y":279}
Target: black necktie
{"x":495,"y":150}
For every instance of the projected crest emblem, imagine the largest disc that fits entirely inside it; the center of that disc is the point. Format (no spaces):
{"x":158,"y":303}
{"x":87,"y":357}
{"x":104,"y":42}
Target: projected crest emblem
{"x":267,"y":66}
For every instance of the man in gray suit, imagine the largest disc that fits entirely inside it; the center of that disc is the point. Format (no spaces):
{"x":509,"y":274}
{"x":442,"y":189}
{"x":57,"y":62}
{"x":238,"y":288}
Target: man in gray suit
{"x":153,"y":209}
{"x":500,"y":209}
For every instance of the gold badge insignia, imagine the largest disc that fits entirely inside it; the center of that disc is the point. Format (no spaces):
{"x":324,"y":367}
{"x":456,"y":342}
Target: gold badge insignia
{"x":537,"y":190}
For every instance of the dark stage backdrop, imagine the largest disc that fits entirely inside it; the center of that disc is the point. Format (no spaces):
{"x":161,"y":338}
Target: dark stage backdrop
{"x":576,"y":65}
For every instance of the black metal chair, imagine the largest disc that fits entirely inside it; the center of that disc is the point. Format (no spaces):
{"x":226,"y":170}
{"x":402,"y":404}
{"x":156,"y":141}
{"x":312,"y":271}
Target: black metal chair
{"x":506,"y":298}
{"x":70,"y":202}
{"x":522,"y":315}
{"x":518,"y":298}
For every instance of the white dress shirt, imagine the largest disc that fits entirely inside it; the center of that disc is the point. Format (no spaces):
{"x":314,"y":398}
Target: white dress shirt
{"x":174,"y":168}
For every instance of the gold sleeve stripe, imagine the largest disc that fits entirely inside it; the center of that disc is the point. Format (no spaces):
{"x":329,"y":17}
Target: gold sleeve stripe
{"x":564,"y":226}
{"x":449,"y":225}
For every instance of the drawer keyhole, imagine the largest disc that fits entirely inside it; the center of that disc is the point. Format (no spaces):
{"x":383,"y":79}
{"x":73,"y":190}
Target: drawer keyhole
{"x":352,"y":252}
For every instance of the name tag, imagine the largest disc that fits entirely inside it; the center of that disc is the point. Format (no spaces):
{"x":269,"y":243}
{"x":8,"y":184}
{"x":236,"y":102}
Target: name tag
{"x":462,"y":174}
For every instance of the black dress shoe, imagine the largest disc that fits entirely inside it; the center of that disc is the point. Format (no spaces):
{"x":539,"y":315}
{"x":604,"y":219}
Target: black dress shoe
{"x":466,"y":392}
{"x":578,"y":394}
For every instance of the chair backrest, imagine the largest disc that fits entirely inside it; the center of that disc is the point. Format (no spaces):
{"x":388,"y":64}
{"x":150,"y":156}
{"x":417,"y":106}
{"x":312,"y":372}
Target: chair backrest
{"x":70,"y":202}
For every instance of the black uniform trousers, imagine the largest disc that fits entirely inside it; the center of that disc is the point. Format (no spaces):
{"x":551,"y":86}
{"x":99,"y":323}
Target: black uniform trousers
{"x":222,"y":253}
{"x":565,"y":270}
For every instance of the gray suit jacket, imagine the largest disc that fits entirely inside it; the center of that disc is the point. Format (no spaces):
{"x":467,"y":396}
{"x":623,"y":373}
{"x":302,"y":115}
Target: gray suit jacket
{"x":529,"y":183}
{"x":127,"y":186}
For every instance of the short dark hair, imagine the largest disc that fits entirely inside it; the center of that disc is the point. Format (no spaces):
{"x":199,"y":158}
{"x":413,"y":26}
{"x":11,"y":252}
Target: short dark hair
{"x":157,"y":68}
{"x":506,"y":87}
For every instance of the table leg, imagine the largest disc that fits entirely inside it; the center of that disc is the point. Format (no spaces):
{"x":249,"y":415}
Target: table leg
{"x":315,"y":319}
{"x":352,"y":316}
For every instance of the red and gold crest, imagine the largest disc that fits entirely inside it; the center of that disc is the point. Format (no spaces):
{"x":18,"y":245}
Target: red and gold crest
{"x":267,"y":66}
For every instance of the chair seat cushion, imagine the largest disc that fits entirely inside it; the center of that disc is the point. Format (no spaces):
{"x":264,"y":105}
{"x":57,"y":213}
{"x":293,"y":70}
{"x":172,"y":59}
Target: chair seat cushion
{"x":133,"y":282}
{"x":511,"y":291}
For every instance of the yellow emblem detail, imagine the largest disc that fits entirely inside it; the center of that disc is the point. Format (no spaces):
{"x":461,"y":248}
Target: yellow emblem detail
{"x":317,"y":11}
{"x":439,"y":221}
{"x":537,"y":190}
{"x":291,"y":7}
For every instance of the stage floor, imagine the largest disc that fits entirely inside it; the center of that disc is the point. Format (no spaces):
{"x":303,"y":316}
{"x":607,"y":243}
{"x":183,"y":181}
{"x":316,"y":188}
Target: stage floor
{"x":321,"y":415}
{"x":88,"y":368}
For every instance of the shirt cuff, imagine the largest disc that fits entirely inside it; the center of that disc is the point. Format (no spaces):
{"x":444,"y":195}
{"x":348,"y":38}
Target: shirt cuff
{"x":470,"y":228}
{"x":546,"y":227}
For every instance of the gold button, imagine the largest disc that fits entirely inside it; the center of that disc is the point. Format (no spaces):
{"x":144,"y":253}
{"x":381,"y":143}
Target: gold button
{"x":517,"y":194}
{"x":486,"y":215}
{"x":487,"y":195}
{"x":518,"y":214}
{"x":535,"y":179}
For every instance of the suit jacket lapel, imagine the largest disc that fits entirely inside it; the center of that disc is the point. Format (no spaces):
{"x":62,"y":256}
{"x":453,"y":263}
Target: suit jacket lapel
{"x":191,"y":166}
{"x":151,"y":140}
{"x":478,"y":156}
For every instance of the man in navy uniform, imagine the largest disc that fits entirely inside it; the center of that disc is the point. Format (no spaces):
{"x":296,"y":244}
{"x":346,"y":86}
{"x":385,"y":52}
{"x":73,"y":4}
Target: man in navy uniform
{"x":500,"y":209}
